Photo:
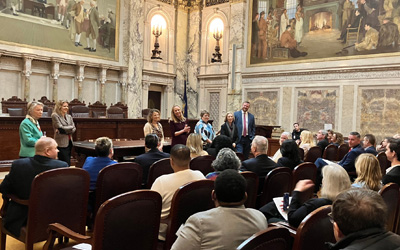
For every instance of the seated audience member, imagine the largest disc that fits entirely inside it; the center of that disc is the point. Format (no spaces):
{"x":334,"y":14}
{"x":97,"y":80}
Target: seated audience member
{"x":369,"y":144}
{"x":307,"y":141}
{"x":382,"y":146}
{"x":18,"y":182}
{"x":195,"y":145}
{"x":359,"y":219}
{"x":229,"y":128}
{"x":393,"y":155}
{"x":261,"y":164}
{"x":368,"y":172}
{"x":167,"y":184}
{"x":93,"y":165}
{"x":296,"y":132}
{"x":219,"y":142}
{"x":322,"y":136}
{"x":330,"y":135}
{"x":284,"y":136}
{"x":154,"y":154}
{"x":337,"y":139}
{"x":335,"y":181}
{"x":290,"y":155}
{"x":226,"y":159}
{"x":227,"y":225}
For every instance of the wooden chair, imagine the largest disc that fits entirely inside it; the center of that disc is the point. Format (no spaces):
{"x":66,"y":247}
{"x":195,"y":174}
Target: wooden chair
{"x":390,"y":194}
{"x":313,"y":154}
{"x":203,"y":164}
{"x":97,"y":109}
{"x":305,"y":170}
{"x":276,"y":238}
{"x":315,"y":230}
{"x":127,"y":221}
{"x":115,"y":113}
{"x":47,"y":111}
{"x":13,"y":102}
{"x":252,"y":180}
{"x":277,"y":182}
{"x":124,"y":108}
{"x":301,"y":153}
{"x":73,"y":103}
{"x":158,"y":168}
{"x":16,"y":111}
{"x":383,"y":162}
{"x":330,"y":153}
{"x":58,"y":195}
{"x":342,"y":151}
{"x":353,"y":34}
{"x":80,"y":111}
{"x":189,"y":199}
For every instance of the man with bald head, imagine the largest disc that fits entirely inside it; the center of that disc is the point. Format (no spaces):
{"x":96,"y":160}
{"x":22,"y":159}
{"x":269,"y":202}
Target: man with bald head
{"x":18,"y":182}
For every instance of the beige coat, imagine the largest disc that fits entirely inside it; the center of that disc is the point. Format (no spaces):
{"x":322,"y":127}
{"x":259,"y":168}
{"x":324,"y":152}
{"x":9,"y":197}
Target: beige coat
{"x":67,"y":125}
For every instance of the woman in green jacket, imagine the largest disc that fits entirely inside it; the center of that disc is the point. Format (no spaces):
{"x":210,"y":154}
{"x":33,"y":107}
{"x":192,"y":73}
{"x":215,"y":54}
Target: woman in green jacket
{"x":29,"y":130}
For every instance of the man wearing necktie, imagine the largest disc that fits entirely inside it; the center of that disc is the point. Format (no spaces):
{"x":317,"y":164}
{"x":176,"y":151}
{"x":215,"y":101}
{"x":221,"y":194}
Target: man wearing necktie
{"x":246,"y":126}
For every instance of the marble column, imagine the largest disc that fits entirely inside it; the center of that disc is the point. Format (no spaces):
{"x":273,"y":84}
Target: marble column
{"x":26,"y":73}
{"x":102,"y":80}
{"x":80,"y":76}
{"x":169,"y":91}
{"x":55,"y":74}
{"x":122,"y":80}
{"x":145,"y":94}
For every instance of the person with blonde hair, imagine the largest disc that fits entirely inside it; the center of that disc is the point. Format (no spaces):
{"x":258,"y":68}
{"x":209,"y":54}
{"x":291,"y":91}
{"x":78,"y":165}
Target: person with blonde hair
{"x":29,"y":129}
{"x":195,"y":146}
{"x":307,"y":141}
{"x":64,"y":127}
{"x":179,"y":126}
{"x":334,"y":182}
{"x":153,"y":126}
{"x":369,"y":172}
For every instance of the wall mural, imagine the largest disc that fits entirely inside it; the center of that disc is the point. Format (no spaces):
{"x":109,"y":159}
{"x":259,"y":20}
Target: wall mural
{"x":316,"y":108}
{"x":85,"y":28}
{"x":380,"y":112}
{"x":292,"y":31}
{"x":264,"y":107}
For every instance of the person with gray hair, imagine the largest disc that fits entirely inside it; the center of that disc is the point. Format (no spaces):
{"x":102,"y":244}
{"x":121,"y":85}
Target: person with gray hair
{"x":226,"y":159}
{"x":322,"y":138}
{"x":284,"y":136}
{"x":359,"y":219}
{"x":261,"y":164}
{"x":29,"y":129}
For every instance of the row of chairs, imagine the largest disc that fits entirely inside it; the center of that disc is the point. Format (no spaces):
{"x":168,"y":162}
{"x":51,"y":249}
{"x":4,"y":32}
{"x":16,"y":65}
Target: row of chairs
{"x":331,"y":153}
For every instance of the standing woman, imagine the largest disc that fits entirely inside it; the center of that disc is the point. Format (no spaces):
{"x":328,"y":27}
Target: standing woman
{"x":205,"y":129}
{"x":229,"y":128}
{"x":179,"y":126}
{"x":29,"y":130}
{"x":153,"y":126}
{"x":64,"y":127}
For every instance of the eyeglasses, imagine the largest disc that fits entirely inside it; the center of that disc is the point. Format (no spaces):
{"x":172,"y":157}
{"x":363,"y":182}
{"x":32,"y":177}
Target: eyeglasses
{"x":331,"y":217}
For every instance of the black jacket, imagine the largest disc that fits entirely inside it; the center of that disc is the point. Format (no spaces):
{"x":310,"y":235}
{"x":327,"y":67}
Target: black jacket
{"x":147,"y":159}
{"x":261,"y":165}
{"x":225,"y":130}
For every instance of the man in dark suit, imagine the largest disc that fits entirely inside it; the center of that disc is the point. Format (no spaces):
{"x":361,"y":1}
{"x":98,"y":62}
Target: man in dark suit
{"x":246,"y":127}
{"x":369,"y":144}
{"x":322,"y":140}
{"x":154,"y":154}
{"x":393,"y":155}
{"x":18,"y":182}
{"x":261,"y":164}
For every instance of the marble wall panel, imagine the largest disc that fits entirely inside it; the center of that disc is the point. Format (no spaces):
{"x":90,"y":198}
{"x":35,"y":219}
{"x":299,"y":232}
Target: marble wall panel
{"x":316,"y":108}
{"x":285,"y":112}
{"x":40,"y":86}
{"x":10,"y":84}
{"x":348,"y":111}
{"x":66,"y":88}
{"x":113,"y":93}
{"x":380,"y":112}
{"x":90,"y":91}
{"x":264,"y":106}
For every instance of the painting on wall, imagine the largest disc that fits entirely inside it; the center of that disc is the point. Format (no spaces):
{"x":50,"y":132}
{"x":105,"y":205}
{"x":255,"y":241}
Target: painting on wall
{"x":79,"y":27}
{"x":264,"y":107}
{"x":292,"y":31}
{"x":316,"y":108}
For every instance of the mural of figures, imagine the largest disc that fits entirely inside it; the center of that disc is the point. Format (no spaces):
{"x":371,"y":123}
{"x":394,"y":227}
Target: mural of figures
{"x":328,"y":30}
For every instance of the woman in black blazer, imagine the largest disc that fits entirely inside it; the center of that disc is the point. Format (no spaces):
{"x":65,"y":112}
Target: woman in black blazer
{"x":229,"y":129}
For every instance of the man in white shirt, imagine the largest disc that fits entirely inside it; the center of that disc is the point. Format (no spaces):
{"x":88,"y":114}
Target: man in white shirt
{"x":167,"y":184}
{"x":227,"y":225}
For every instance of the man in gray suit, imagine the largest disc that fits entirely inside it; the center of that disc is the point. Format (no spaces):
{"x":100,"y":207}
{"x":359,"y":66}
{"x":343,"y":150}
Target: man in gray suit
{"x":94,"y":24}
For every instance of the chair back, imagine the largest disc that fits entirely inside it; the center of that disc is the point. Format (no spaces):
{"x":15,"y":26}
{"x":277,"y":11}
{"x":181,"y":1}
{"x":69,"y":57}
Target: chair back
{"x":277,"y":182}
{"x":342,"y":151}
{"x":80,"y":111}
{"x":252,"y":181}
{"x":305,"y":170}
{"x":390,"y":194}
{"x":203,"y":164}
{"x":315,"y":230}
{"x":383,"y":162}
{"x":128,"y":221}
{"x":117,"y":179}
{"x":189,"y":199}
{"x":240,"y":156}
{"x":16,"y":111}
{"x":301,"y":153}
{"x":276,"y":238}
{"x":157,"y":169}
{"x":313,"y":154}
{"x":330,"y":153}
{"x":115,"y":112}
{"x":57,"y":196}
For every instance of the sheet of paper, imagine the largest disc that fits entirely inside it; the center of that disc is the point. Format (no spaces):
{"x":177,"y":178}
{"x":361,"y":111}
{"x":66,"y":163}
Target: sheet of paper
{"x":279,"y":205}
{"x":83,"y":246}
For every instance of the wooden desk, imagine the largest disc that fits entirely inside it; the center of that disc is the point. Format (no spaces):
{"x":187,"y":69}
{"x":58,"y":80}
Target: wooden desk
{"x":121,"y":148}
{"x":42,"y":9}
